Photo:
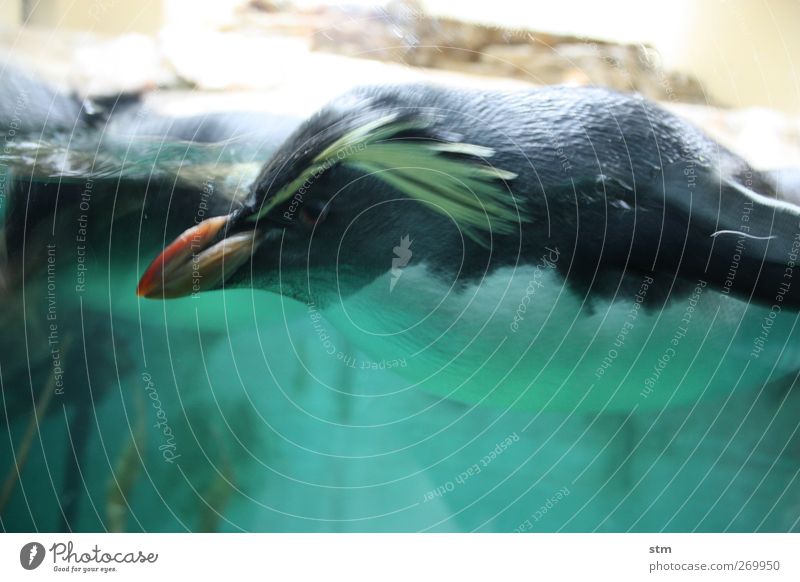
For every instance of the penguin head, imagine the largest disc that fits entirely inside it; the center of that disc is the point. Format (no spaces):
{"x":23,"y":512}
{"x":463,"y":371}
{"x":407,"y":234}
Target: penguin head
{"x":328,"y":213}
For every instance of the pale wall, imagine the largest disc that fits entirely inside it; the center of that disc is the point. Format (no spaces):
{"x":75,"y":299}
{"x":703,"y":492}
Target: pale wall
{"x":747,"y":52}
{"x":108,"y":16}
{"x":9,"y":12}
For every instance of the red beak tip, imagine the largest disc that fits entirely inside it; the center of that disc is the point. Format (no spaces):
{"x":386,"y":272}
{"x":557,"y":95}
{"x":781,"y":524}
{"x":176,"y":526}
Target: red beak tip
{"x":146,"y":287}
{"x":151,"y":285}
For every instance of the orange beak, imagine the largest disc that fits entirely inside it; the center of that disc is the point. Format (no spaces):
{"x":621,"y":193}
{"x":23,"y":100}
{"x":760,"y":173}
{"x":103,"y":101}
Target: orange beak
{"x":194,"y":262}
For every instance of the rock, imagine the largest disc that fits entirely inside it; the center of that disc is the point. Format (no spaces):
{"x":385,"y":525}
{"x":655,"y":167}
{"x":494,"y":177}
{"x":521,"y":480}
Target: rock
{"x":401,"y":32}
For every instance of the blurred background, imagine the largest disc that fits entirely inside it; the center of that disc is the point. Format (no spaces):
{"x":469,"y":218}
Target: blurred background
{"x":224,"y":413}
{"x":737,"y":56}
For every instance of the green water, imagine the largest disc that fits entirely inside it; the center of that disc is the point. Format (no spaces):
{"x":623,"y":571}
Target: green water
{"x":202,"y":419}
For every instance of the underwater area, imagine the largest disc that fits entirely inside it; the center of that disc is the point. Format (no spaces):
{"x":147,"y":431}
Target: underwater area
{"x":202,"y":422}
{"x":242,"y":410}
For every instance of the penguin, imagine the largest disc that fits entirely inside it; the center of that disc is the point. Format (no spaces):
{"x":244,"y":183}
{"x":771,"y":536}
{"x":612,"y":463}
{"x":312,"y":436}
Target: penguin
{"x":575,"y":249}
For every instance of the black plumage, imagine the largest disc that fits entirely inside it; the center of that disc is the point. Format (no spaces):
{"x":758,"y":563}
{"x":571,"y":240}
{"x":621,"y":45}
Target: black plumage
{"x":619,"y":184}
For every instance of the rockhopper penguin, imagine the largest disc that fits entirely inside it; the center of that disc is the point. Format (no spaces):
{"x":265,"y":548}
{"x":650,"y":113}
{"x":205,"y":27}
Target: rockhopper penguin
{"x":575,"y":249}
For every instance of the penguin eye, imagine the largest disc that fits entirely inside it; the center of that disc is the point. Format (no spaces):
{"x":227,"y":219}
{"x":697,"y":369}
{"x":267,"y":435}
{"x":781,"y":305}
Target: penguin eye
{"x":313,"y":213}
